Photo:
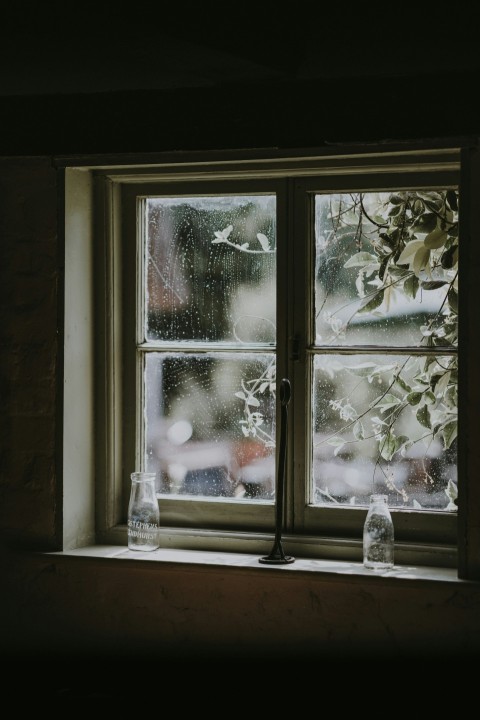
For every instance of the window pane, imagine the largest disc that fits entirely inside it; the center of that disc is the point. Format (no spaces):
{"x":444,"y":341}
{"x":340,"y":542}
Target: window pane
{"x":210,"y":423}
{"x":386,"y":268}
{"x":211,"y":268}
{"x":385,"y":424}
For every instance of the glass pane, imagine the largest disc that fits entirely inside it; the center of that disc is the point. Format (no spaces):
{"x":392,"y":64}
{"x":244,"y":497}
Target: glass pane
{"x":211,"y":266}
{"x":210,"y":423}
{"x":385,"y":424}
{"x":386,"y":268}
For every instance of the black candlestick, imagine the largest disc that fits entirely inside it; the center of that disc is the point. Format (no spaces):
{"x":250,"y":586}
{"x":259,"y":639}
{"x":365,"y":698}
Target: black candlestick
{"x":277,"y":556}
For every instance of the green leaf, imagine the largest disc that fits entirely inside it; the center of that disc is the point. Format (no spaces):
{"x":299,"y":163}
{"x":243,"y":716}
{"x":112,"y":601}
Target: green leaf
{"x":418,"y":207}
{"x":264,"y":241}
{"x":449,"y":433}
{"x":381,"y":369}
{"x":422,"y":256}
{"x":363,"y":369}
{"x":386,"y":239}
{"x":448,"y":258}
{"x":435,"y":239}
{"x":451,"y":396}
{"x":409,"y":251}
{"x":336,"y":440}
{"x":423,"y":417}
{"x":429,"y":196}
{"x":358,"y":431}
{"x":401,"y":441}
{"x":451,"y":200}
{"x":452,"y":298}
{"x":433,"y":284}
{"x":383,"y":267}
{"x":387,"y":446}
{"x":361,"y":259}
{"x":395,"y":199}
{"x":411,"y":286}
{"x":393,"y":234}
{"x":429,"y":398}
{"x":414,"y":398}
{"x":387,"y":402}
{"x":405,"y":447}
{"x":425,"y":223}
{"x":428,"y":361}
{"x":435,"y":378}
{"x":367,"y":305}
{"x":395,"y":210}
{"x":415,"y":255}
{"x":451,"y":491}
{"x":442,"y":382}
{"x":398,"y":272}
{"x":436,"y":205}
{"x":401,"y":382}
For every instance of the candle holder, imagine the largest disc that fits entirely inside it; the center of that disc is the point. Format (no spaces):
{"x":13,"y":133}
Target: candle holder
{"x":277,"y":555}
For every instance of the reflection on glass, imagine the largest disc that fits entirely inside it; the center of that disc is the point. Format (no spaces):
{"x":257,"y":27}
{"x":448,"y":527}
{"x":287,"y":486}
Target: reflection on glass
{"x":210,"y":423}
{"x":388,"y":425}
{"x":211,"y":267}
{"x":386,"y":268}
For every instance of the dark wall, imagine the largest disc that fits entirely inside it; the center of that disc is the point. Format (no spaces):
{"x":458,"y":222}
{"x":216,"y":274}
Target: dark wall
{"x":112,"y":79}
{"x":281,"y":114}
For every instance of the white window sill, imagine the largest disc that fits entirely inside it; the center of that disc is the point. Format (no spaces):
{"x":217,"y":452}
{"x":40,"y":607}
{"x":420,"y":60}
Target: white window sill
{"x":242,"y":561}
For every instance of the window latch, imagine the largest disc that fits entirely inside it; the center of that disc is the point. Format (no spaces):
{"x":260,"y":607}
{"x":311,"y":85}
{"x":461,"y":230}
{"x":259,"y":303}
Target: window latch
{"x":295,"y":354}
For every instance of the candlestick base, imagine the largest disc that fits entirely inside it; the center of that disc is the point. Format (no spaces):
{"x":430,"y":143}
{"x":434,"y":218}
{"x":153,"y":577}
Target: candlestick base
{"x":277,"y":557}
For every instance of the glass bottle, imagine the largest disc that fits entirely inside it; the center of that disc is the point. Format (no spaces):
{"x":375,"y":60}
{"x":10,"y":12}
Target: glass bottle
{"x":378,"y":535}
{"x":143,"y":513}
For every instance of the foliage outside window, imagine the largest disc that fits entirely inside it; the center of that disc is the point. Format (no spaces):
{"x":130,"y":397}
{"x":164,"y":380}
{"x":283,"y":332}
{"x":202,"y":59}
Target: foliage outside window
{"x":387,"y":276}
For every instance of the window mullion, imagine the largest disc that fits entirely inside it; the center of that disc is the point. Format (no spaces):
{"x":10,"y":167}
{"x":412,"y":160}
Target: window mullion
{"x":300,"y":261}
{"x":284,"y":295}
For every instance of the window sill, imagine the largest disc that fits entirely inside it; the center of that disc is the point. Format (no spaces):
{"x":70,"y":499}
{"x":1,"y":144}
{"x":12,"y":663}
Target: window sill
{"x":242,"y":561}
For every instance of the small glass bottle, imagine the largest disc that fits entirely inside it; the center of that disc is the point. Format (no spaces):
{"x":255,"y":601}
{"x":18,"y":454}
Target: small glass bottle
{"x":378,"y":535}
{"x":143,"y":513}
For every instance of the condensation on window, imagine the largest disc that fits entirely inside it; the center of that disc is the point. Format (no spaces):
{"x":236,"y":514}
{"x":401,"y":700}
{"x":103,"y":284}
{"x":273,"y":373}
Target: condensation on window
{"x":210,"y":423}
{"x":211,"y":269}
{"x":211,"y":279}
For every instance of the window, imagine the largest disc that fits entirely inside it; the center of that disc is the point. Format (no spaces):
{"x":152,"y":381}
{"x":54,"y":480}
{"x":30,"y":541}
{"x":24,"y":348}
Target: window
{"x":343,"y":274}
